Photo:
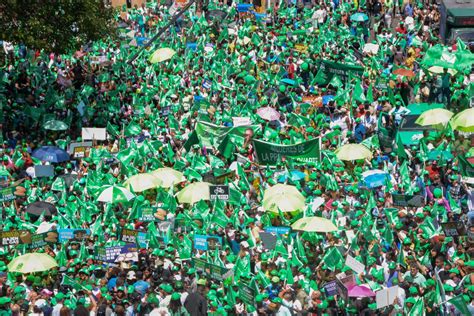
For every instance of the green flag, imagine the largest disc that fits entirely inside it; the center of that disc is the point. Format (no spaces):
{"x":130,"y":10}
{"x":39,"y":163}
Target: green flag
{"x":459,"y":303}
{"x":400,"y":148}
{"x":333,"y":258}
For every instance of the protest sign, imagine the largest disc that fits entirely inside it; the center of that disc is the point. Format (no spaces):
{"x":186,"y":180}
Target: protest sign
{"x":41,"y":240}
{"x":355,"y":265}
{"x":66,"y":234}
{"x":344,"y":282}
{"x":134,"y":237}
{"x":44,"y":171}
{"x":279,"y":230}
{"x":212,"y":270}
{"x":386,"y":297}
{"x":405,"y":200}
{"x":241,"y":121}
{"x":205,"y":242}
{"x":147,"y":213}
{"x":111,"y":253}
{"x":301,"y":48}
{"x":219,"y":192}
{"x":93,"y":133}
{"x":247,"y":294}
{"x":330,"y":288}
{"x":270,"y":154}
{"x":15,"y":237}
{"x":7,"y":194}
{"x":313,"y":100}
{"x":72,"y":146}
{"x":268,"y":239}
{"x":453,"y":229}
{"x":81,"y":152}
{"x":220,"y":179}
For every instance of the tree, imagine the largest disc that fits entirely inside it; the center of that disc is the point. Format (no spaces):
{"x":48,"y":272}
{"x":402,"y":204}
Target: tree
{"x":54,"y":25}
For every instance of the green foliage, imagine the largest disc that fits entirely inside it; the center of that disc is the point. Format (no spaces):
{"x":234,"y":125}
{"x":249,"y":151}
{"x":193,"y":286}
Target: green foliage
{"x":54,"y":25}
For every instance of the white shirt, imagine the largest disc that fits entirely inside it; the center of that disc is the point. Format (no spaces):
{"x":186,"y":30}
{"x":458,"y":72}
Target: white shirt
{"x":57,"y":309}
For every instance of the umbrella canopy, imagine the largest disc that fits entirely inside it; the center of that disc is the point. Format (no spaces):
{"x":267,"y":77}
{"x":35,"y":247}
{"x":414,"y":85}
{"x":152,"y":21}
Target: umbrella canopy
{"x":404,"y":72}
{"x":268,"y":113}
{"x":440,"y":70}
{"x":464,"y":121}
{"x":434,"y":117}
{"x":371,"y":48}
{"x":37,"y":208}
{"x":141,"y":182}
{"x":360,"y":291}
{"x":114,"y":194}
{"x":161,"y":54}
{"x":55,"y":125}
{"x":359,"y":17}
{"x":32,"y":262}
{"x":314,"y":224}
{"x":285,"y":198}
{"x":218,"y":15}
{"x":68,"y":179}
{"x":194,"y":192}
{"x":51,"y":154}
{"x":375,"y":178}
{"x":168,"y":177}
{"x":350,"y":152}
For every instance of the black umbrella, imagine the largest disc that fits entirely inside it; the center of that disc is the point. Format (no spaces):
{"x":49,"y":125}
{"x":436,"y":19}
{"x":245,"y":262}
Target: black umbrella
{"x":37,"y":208}
{"x":216,"y":15}
{"x":69,"y":179}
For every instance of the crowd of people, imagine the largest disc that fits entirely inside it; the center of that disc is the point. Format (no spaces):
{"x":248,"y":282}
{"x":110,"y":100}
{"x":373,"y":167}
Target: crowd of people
{"x":336,"y":71}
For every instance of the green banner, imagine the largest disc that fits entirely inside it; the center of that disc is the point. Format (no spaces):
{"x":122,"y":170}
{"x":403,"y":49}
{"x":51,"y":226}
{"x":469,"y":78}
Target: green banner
{"x":147,"y":213}
{"x":213,"y":271}
{"x":247,"y":294}
{"x":271,"y":154}
{"x":7,"y":194}
{"x":343,"y":71}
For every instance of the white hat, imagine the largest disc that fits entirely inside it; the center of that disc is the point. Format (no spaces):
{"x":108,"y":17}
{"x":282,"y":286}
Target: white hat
{"x":131,"y":275}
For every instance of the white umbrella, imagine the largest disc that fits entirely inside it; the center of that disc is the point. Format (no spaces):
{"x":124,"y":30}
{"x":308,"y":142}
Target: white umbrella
{"x":114,"y":194}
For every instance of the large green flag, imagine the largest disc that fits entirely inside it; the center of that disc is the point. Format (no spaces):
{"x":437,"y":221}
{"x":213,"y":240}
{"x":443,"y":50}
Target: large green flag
{"x":465,"y":167}
{"x":459,"y":303}
{"x":418,"y":309}
{"x":401,"y":149}
{"x":333,"y":258}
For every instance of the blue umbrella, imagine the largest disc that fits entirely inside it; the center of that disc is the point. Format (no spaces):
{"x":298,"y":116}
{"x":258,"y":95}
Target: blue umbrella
{"x":297,"y":175}
{"x":327,"y":98}
{"x":359,"y":17}
{"x":51,"y":154}
{"x":375,"y":178}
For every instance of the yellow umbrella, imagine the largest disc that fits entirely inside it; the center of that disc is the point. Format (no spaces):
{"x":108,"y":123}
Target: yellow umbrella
{"x":32,"y":262}
{"x":464,"y":121}
{"x":141,"y":182}
{"x":194,"y":192}
{"x":168,"y":177}
{"x":314,"y":224}
{"x":434,"y":117}
{"x":350,"y":152}
{"x":285,"y":198}
{"x":161,"y":54}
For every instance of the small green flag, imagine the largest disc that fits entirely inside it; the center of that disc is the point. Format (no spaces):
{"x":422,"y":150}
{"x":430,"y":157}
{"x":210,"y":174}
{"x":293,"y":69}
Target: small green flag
{"x":459,"y":303}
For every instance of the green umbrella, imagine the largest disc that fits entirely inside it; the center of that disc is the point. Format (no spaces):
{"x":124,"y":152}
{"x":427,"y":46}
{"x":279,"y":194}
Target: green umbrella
{"x":314,"y":224}
{"x":434,"y":117}
{"x":464,"y":121}
{"x":194,"y":192}
{"x":114,"y":194}
{"x":55,"y":125}
{"x":285,"y":198}
{"x":32,"y":262}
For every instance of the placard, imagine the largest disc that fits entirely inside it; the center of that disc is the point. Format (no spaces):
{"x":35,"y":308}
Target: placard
{"x":405,"y":200}
{"x":355,"y":265}
{"x":41,"y":240}
{"x":313,"y":100}
{"x":386,"y":297}
{"x":301,"y":48}
{"x":94,"y":133}
{"x":79,"y":234}
{"x":7,"y":194}
{"x":247,"y":294}
{"x":241,"y":121}
{"x":205,"y":242}
{"x":44,"y":171}
{"x":110,"y":254}
{"x":72,"y":146}
{"x":81,"y":152}
{"x":330,"y":288}
{"x":212,"y":270}
{"x":269,"y":240}
{"x":219,"y":192}
{"x":453,"y":229}
{"x":279,"y":230}
{"x":147,"y":213}
{"x":15,"y":237}
{"x":131,"y":236}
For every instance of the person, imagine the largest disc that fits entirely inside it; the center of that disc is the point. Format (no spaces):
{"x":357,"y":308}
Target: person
{"x":446,"y":87}
{"x":359,"y":130}
{"x":196,"y":303}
